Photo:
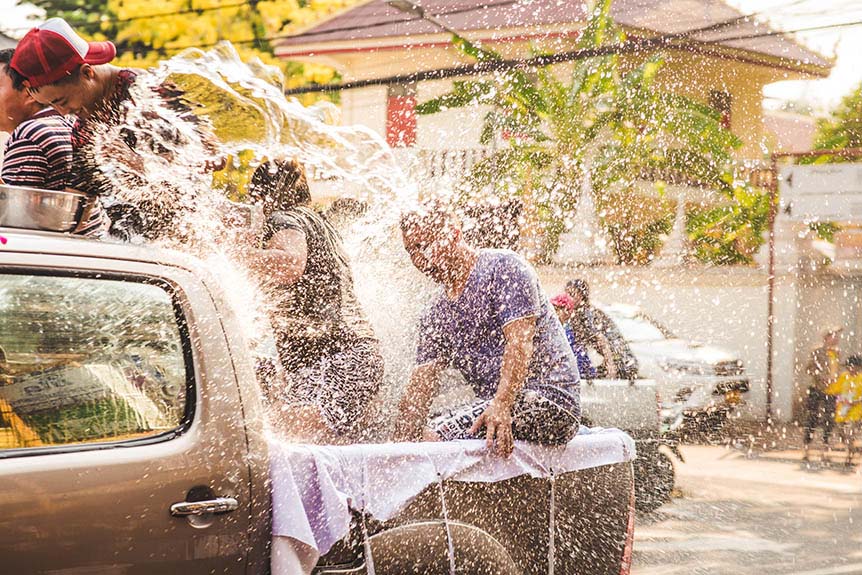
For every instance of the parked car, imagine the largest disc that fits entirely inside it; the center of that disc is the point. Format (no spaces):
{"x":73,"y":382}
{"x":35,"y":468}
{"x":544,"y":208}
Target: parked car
{"x":132,"y":440}
{"x":699,"y":385}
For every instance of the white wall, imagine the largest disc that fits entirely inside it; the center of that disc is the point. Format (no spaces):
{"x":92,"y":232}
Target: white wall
{"x":366,"y":107}
{"x":727,"y":306}
{"x":457,"y":128}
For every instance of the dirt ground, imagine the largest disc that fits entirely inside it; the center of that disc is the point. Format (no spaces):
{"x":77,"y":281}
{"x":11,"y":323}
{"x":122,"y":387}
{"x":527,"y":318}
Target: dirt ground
{"x":751,"y":505}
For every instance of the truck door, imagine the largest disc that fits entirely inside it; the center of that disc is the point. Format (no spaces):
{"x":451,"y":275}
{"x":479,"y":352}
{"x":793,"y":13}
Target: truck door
{"x":122,"y":444}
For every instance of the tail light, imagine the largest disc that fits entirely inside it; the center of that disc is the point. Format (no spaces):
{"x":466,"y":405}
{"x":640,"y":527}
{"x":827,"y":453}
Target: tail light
{"x":626,"y":564}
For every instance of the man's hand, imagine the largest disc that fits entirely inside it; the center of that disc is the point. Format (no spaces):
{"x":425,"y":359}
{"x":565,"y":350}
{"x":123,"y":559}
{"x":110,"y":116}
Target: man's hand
{"x":497,"y":421}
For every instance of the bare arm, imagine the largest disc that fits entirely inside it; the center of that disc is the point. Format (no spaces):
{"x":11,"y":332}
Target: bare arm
{"x":416,"y":402}
{"x":284,"y":259}
{"x":497,"y":418}
{"x":607,"y":353}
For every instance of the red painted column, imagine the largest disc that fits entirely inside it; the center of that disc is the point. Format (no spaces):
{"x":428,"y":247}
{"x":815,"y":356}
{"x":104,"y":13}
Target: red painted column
{"x":401,"y":115}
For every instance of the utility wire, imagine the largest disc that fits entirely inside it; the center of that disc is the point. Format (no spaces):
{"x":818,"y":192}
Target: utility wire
{"x":99,"y":23}
{"x":343,"y":28}
{"x":486,"y":67}
{"x":710,"y":28}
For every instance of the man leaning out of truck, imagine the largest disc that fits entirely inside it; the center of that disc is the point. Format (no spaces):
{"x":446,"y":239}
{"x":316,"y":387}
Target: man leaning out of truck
{"x":39,"y":150}
{"x":493,"y":323}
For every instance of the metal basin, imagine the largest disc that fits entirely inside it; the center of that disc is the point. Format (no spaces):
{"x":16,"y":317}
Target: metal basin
{"x":34,"y":209}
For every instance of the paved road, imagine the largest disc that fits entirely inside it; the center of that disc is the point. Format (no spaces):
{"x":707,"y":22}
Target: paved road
{"x":759,"y":514}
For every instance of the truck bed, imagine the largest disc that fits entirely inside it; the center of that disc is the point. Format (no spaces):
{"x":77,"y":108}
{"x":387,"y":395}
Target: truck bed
{"x":510,"y":500}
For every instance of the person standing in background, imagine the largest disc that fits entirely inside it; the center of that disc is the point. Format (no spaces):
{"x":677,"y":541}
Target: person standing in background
{"x":823,"y":369}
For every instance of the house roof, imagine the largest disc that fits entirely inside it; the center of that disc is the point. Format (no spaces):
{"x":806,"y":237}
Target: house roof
{"x":376,"y":20}
{"x":7,"y":42}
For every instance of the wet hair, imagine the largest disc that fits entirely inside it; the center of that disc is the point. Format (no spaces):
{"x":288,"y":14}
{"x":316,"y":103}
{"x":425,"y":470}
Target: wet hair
{"x":5,"y":60}
{"x":280,"y":185}
{"x":854,"y":361}
{"x":430,"y":216}
{"x":579,"y":286}
{"x":346,"y":209}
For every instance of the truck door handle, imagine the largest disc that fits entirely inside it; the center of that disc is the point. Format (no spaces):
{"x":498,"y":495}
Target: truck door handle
{"x":217,"y":505}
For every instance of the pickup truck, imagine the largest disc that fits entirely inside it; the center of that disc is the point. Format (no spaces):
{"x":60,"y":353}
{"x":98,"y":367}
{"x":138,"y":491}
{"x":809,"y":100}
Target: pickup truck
{"x":133,"y":439}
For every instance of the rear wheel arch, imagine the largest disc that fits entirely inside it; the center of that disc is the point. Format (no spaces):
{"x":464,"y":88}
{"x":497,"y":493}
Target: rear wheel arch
{"x":423,"y":547}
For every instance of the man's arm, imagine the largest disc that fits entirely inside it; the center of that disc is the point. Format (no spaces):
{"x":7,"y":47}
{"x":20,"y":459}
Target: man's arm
{"x":517,"y":354}
{"x":607,"y":353}
{"x":284,"y":259}
{"x":416,"y":402}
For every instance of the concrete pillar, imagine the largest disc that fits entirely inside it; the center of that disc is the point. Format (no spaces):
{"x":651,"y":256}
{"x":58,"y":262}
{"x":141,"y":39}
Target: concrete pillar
{"x":673,"y":252}
{"x":788,"y":235}
{"x":587,"y":243}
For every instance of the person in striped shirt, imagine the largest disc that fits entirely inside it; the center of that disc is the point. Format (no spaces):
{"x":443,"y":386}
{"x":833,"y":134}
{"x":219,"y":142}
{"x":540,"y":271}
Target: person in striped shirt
{"x":38,"y":153}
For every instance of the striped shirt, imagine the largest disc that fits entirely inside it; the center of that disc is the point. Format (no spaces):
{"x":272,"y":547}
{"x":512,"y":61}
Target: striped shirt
{"x":39,"y":155}
{"x":39,"y":152}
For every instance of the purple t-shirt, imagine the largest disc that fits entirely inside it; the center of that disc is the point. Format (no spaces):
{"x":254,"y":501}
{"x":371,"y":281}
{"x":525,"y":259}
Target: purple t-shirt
{"x":467,"y":333}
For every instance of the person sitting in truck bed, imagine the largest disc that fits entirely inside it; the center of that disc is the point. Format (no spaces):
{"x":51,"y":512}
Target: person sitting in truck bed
{"x":329,"y":352}
{"x":39,"y":150}
{"x":493,"y":323}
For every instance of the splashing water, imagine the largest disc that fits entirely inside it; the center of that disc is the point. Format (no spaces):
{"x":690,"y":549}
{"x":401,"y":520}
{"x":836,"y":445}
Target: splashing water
{"x":243,"y":106}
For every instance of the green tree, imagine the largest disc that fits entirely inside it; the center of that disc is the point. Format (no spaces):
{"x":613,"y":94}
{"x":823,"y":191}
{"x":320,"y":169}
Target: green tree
{"x":843,"y":129}
{"x":607,"y":124}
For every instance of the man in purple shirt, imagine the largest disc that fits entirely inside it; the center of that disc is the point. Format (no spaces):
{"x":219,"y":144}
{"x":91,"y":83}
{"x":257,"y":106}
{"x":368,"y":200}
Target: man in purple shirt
{"x":494,"y":324}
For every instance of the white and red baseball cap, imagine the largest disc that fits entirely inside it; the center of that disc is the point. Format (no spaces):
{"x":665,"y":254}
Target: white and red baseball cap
{"x":50,"y":51}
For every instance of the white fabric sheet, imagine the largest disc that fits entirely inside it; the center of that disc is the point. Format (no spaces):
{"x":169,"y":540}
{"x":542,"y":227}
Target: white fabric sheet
{"x":314,"y":487}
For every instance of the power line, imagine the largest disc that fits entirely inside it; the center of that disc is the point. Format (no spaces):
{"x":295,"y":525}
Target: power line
{"x":486,"y":67}
{"x":343,"y":28}
{"x":742,"y":18}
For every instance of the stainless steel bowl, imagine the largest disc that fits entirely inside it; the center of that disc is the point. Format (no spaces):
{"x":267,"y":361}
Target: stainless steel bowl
{"x":34,"y":209}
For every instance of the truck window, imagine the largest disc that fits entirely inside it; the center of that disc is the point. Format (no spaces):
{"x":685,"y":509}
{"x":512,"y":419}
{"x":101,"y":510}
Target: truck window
{"x":88,"y":360}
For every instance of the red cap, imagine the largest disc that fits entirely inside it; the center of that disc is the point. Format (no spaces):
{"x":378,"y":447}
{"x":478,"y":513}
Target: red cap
{"x":563,"y":300}
{"x":52,"y":50}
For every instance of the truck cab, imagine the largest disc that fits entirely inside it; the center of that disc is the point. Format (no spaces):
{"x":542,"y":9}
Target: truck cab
{"x":133,"y":439}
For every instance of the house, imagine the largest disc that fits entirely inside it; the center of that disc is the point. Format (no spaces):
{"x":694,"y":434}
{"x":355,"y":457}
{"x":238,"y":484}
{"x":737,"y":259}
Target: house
{"x":725,"y":67}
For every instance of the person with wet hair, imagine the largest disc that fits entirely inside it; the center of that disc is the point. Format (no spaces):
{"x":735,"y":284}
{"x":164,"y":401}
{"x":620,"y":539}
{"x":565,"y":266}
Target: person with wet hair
{"x":493,"y":323}
{"x":38,"y":153}
{"x":330,"y":355}
{"x":114,"y":129}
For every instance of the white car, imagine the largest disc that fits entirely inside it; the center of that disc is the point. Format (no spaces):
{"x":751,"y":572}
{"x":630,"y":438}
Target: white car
{"x":698,"y":383}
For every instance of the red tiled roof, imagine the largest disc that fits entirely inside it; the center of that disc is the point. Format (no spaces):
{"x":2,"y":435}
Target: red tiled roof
{"x":377,"y":20}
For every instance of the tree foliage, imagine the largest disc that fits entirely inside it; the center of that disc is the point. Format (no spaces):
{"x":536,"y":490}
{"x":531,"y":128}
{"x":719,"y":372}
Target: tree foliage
{"x":844,"y":128}
{"x":143,"y":38}
{"x":606,"y":123}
